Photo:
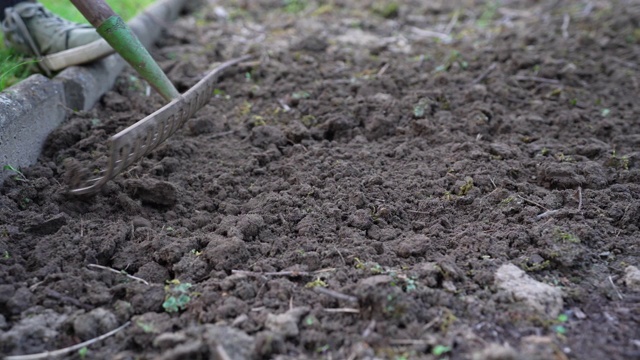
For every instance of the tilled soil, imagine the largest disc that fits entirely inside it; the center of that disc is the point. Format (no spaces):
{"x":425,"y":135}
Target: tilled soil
{"x":393,"y":180}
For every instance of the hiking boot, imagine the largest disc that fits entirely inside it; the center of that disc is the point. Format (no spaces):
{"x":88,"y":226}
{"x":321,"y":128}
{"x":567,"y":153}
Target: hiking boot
{"x":32,"y":30}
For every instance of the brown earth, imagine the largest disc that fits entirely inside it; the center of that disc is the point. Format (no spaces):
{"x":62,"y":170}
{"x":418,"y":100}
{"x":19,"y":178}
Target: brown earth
{"x":358,"y":194}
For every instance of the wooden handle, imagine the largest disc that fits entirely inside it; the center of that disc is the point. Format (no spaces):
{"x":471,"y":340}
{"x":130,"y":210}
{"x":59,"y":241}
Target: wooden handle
{"x":95,"y":11}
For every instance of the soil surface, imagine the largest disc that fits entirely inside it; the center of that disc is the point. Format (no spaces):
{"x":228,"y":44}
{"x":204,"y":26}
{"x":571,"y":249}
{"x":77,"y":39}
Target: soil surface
{"x":392,"y":180}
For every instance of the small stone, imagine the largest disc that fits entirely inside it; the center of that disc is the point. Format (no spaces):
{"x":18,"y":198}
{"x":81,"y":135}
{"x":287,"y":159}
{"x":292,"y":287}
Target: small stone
{"x":543,"y":298}
{"x":415,"y":245}
{"x":123,"y":310}
{"x":140,"y":222}
{"x":225,"y":253}
{"x":429,"y":273}
{"x":632,"y":278}
{"x":250,"y":226}
{"x":496,"y":352}
{"x":40,"y":328}
{"x":263,"y":136}
{"x":361,"y":219}
{"x":94,"y":323}
{"x":146,"y":298}
{"x":286,"y":324}
{"x":153,"y":273}
{"x":49,"y":226}
{"x":268,"y":344}
{"x":20,"y":301}
{"x":153,"y":192}
{"x":540,"y":348}
{"x":167,"y":340}
{"x":376,"y":280}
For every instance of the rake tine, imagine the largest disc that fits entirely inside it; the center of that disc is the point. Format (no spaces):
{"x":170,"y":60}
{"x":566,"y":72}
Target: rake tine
{"x":139,"y":139}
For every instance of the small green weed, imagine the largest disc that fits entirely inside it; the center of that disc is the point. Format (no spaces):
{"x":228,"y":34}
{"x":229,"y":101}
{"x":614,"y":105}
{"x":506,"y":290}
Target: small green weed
{"x":177,"y":296}
{"x":83,"y":352}
{"x":316,"y":283}
{"x":310,"y":320}
{"x":487,"y":15}
{"x":147,"y":328}
{"x":618,"y":162}
{"x":20,"y":176}
{"x":454,"y":58}
{"x":468,"y":185}
{"x":375,"y":268}
{"x":563,"y":236}
{"x":537,"y":267}
{"x":422,"y":107}
{"x":294,"y":6}
{"x":564,"y":158}
{"x":387,"y":10}
{"x":559,"y":328}
{"x":440,"y":350}
{"x":13,"y":68}
{"x":507,"y":200}
{"x":300,"y":95}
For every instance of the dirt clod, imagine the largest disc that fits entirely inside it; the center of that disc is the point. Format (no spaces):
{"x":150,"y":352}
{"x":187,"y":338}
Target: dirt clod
{"x":441,"y":168}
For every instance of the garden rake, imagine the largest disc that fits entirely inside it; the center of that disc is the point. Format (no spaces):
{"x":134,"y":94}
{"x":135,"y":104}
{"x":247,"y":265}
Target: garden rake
{"x":139,"y":139}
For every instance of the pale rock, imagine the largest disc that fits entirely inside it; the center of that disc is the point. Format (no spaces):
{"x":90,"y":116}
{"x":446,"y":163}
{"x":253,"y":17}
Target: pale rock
{"x":632,"y":278}
{"x":543,"y":298}
{"x":286,"y":324}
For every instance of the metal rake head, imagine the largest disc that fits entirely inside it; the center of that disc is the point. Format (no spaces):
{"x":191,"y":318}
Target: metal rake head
{"x":139,"y":139}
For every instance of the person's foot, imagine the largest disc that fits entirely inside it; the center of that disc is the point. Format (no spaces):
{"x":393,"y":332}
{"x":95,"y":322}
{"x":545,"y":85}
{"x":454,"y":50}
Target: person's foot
{"x":32,"y":30}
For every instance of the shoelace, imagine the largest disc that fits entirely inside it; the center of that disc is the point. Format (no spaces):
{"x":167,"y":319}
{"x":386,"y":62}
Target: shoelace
{"x":14,"y":24}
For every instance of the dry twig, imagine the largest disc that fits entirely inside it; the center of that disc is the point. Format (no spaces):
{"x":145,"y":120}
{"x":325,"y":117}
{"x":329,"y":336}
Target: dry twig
{"x":565,"y":26}
{"x":615,"y":288}
{"x":536,"y":79}
{"x":335,"y":294}
{"x":579,"y":198}
{"x":546,"y":214}
{"x":622,"y":62}
{"x":64,"y":298}
{"x":119,"y":272}
{"x":222,"y":353}
{"x":342,"y":310}
{"x":383,"y":70}
{"x":485,"y":73}
{"x":533,"y":203}
{"x":221,"y":134}
{"x":367,"y":331}
{"x":67,"y":350}
{"x":445,"y":38}
{"x":408,"y":342}
{"x":452,"y":23}
{"x":418,"y":212}
{"x":282,"y":273}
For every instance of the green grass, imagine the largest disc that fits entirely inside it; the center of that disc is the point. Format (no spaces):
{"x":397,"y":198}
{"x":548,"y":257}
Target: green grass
{"x":14,"y":67}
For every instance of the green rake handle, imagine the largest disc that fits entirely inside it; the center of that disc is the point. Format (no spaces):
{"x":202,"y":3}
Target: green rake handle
{"x":116,"y":32}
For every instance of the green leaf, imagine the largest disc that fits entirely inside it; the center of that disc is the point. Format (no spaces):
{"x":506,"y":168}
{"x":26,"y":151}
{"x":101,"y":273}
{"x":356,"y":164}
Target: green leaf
{"x":170,"y":305}
{"x":440,"y":349}
{"x":561,"y":329}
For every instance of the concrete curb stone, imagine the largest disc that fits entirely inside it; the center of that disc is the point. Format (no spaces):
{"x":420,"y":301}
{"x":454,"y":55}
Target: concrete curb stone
{"x":33,"y":108}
